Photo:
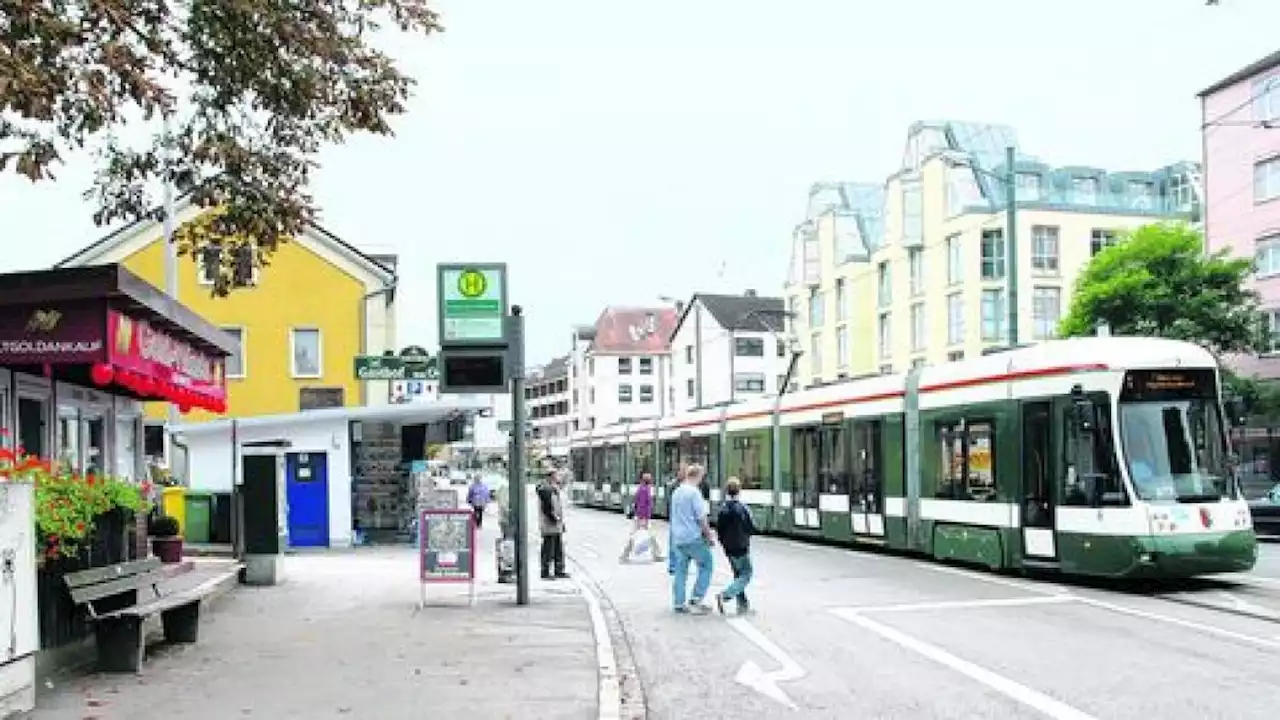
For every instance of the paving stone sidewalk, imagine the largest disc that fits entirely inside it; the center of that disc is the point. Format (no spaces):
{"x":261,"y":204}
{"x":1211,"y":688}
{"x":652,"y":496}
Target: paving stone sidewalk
{"x":342,"y":637}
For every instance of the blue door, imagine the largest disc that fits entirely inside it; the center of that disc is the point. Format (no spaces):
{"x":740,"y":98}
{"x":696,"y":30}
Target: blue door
{"x":307,"y":490}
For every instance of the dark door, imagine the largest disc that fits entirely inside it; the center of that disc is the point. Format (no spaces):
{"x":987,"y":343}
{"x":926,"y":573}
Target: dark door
{"x":1038,"y":501}
{"x":307,"y":490}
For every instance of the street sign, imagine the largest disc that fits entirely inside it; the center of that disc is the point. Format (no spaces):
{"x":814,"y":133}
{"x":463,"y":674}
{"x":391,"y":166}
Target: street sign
{"x":472,"y":303}
{"x":383,"y":367}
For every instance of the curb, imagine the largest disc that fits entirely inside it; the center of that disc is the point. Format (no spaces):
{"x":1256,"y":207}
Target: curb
{"x":621,"y":691}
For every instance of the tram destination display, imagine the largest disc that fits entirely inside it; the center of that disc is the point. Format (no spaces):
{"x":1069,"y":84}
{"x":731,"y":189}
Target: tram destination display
{"x":446,"y":546}
{"x":1168,"y":384}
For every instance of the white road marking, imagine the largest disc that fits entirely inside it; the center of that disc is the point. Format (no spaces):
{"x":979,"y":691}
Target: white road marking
{"x":1189,"y":624}
{"x":1018,"y":692}
{"x":754,"y":677}
{"x":610,"y":694}
{"x":1243,"y":605}
{"x":1037,"y":588}
{"x":962,"y":604}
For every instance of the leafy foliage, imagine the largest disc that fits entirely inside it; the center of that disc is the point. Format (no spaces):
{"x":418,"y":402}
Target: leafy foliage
{"x":1158,"y":281}
{"x":251,"y":90}
{"x":1261,"y":396}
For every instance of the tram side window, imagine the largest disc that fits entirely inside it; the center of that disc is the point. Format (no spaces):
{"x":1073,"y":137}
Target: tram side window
{"x":749,"y":458}
{"x":865,"y":479}
{"x":967,"y":463}
{"x":805,"y":444}
{"x":579,"y":460}
{"x":641,"y":460}
{"x":597,"y":466}
{"x":704,"y":452}
{"x":670,"y":460}
{"x":1091,"y":477}
{"x":612,"y":464}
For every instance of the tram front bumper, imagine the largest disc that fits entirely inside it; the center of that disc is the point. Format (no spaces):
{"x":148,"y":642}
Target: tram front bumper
{"x":1190,"y":555}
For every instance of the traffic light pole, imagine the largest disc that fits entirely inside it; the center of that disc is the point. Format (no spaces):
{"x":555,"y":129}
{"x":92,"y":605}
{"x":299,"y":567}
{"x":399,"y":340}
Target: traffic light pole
{"x":518,"y":493}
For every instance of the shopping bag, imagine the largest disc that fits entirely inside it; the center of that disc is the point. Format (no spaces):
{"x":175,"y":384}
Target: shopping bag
{"x":641,"y":547}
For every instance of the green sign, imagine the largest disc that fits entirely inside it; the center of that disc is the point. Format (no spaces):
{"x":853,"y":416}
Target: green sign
{"x":384,"y":367}
{"x":473,"y":303}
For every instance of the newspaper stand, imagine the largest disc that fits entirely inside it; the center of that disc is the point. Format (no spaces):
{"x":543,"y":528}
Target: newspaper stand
{"x":446,"y":543}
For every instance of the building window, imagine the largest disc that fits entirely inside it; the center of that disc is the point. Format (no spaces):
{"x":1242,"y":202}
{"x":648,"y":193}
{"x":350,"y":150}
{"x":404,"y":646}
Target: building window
{"x":1100,"y":240}
{"x":884,"y":284}
{"x":1028,"y":187}
{"x":815,"y":309}
{"x":305,"y":349}
{"x":1266,"y":99}
{"x":917,"y":326}
{"x":689,"y":388}
{"x":624,"y":393}
{"x":1084,"y":191}
{"x":782,"y":382}
{"x":1044,"y":249}
{"x":1266,"y":180}
{"x":646,"y":366}
{"x":955,"y":319}
{"x":992,"y":315}
{"x":1046,"y":309}
{"x":815,"y":354}
{"x":782,"y":348}
{"x":244,"y":272}
{"x":886,"y":369}
{"x":915,"y":268}
{"x":1273,"y":324}
{"x":748,"y":347}
{"x":1266,"y":256}
{"x":842,"y":313}
{"x":748,"y":382}
{"x":884,"y":333}
{"x":646,"y":393}
{"x":955,"y":268}
{"x":955,"y":356}
{"x":591,"y":366}
{"x":992,"y":254}
{"x":624,"y":366}
{"x":842,"y":346}
{"x":688,"y":354}
{"x":235,"y":365}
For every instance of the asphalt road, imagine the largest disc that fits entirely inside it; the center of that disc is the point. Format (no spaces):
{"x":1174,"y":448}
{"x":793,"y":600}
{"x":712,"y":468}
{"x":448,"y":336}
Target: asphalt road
{"x":845,"y":634}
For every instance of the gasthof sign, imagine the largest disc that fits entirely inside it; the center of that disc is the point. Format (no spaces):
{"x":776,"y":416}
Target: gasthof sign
{"x":473,"y":302}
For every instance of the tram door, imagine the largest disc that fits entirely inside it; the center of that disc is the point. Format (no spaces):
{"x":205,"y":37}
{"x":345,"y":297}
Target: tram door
{"x":1038,"y":497}
{"x":806,"y":463}
{"x":867,"y":494}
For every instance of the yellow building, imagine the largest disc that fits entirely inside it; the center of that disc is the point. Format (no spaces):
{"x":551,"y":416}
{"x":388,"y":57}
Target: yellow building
{"x":912,"y":271}
{"x":300,"y":322}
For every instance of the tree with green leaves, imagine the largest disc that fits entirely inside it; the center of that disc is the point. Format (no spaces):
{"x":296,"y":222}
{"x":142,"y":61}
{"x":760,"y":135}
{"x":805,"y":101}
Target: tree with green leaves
{"x":251,"y":90}
{"x":1158,"y":281}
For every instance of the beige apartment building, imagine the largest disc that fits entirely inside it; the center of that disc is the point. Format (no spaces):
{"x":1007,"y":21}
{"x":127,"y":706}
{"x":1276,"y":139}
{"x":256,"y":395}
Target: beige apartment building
{"x":913,"y":271}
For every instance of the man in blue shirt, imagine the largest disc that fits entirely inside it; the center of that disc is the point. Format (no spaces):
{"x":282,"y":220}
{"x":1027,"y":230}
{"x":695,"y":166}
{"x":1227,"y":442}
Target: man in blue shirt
{"x":691,"y":535}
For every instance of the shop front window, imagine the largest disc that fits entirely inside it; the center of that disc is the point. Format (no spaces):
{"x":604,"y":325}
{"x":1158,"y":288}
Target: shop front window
{"x":95,"y":444}
{"x":126,"y":447}
{"x":32,"y":424}
{"x":69,"y":437}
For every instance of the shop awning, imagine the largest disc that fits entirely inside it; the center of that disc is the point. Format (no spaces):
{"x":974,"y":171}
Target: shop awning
{"x":404,"y":414}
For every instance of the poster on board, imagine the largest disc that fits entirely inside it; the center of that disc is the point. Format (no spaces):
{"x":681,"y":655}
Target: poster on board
{"x":446,"y":546}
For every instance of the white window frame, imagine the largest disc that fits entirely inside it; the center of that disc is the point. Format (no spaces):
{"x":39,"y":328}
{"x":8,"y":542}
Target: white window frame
{"x":915,"y":269}
{"x":955,"y":260}
{"x":1266,"y":186}
{"x":1273,"y":323}
{"x":919,"y":326}
{"x":842,"y":313}
{"x":1266,"y":99}
{"x":997,"y":259}
{"x":993,"y":328}
{"x":626,"y":394}
{"x":293,"y":357}
{"x":244,"y":365}
{"x":1042,"y":262}
{"x":842,"y":346}
{"x":884,"y":335}
{"x":884,"y":284}
{"x":955,"y":319}
{"x":1038,"y":296}
{"x":1266,"y":255}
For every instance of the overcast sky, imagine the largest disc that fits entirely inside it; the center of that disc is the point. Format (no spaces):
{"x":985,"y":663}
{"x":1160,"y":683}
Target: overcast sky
{"x":615,"y":151}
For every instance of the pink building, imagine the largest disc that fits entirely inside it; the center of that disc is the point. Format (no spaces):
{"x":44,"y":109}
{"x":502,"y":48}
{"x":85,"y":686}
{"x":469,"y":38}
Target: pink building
{"x":1241,"y":136}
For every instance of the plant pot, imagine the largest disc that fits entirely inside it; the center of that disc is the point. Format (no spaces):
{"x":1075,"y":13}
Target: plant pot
{"x":168,"y":549}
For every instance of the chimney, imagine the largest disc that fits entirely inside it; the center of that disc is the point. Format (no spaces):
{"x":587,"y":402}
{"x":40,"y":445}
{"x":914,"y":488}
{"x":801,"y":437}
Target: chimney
{"x":749,"y":293}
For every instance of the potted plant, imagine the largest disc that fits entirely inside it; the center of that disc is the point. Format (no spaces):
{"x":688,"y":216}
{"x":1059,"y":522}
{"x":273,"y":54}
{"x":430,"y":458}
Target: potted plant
{"x":166,"y":540}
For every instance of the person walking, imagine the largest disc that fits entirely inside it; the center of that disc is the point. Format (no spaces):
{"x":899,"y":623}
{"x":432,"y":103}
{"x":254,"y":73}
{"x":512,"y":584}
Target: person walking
{"x":642,"y":512}
{"x":674,"y":554}
{"x":551,"y":526}
{"x":478,"y":497}
{"x":691,"y":533}
{"x":735,"y":528}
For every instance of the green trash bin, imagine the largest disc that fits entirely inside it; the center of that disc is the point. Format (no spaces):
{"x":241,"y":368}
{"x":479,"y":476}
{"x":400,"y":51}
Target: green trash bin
{"x":199,"y":516}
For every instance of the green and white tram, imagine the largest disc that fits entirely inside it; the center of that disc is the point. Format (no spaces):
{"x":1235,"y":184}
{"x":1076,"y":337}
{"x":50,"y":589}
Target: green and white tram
{"x":1092,"y":456}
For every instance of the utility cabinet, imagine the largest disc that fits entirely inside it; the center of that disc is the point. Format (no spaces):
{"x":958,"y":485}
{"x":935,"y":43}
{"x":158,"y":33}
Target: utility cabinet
{"x":19,"y":622}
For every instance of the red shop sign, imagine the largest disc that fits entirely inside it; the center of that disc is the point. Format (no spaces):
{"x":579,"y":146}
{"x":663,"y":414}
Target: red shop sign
{"x":138,"y":346}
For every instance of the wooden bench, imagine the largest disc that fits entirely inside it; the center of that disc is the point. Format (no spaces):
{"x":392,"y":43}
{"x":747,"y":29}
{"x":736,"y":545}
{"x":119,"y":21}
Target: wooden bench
{"x":120,"y":598}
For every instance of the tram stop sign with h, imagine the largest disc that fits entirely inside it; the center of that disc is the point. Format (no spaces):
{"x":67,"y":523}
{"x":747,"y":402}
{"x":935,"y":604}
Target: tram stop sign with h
{"x":472,"y":304}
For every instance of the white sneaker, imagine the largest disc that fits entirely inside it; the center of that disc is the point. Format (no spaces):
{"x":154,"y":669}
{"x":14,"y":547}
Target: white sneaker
{"x":697,"y":607}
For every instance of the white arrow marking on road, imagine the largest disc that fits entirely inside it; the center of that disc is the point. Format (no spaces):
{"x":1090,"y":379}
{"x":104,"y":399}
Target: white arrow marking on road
{"x":754,"y":677}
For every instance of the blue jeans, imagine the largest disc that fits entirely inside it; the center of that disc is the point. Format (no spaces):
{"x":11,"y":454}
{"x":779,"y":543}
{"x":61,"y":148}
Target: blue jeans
{"x":674,"y":552}
{"x":699,"y":552}
{"x":742,"y":573}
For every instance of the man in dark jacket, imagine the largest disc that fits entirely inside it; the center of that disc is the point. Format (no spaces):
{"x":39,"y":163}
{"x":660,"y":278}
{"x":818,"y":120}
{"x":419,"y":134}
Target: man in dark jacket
{"x":735,"y":528}
{"x":551,"y":526}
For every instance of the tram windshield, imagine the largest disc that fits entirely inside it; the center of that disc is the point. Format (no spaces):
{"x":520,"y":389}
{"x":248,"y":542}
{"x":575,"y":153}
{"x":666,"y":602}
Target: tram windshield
{"x":1173,"y":439}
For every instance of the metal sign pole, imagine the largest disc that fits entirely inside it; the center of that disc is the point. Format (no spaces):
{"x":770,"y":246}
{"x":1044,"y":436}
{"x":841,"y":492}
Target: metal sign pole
{"x":515,"y":363}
